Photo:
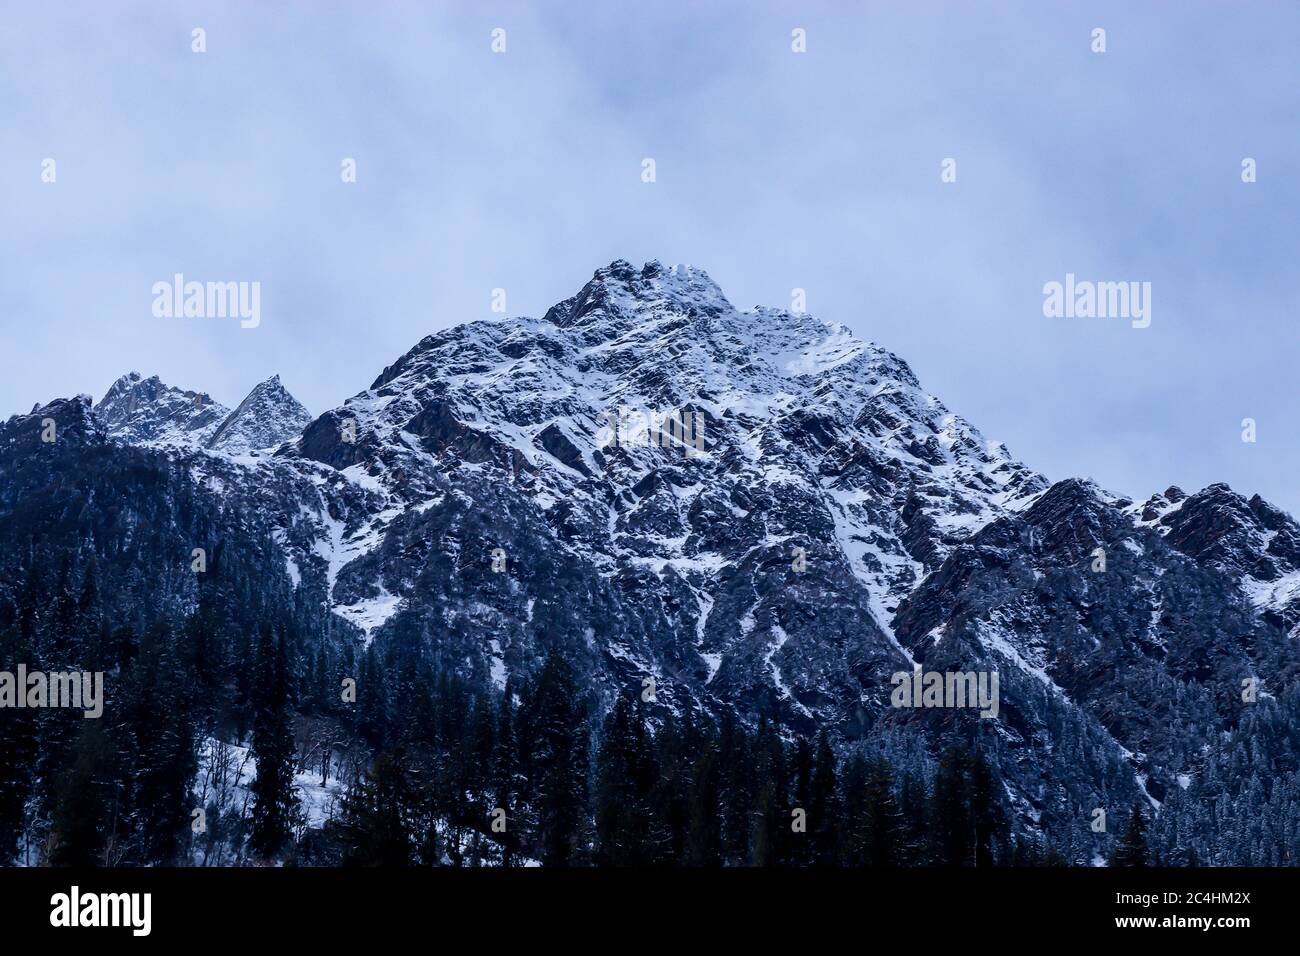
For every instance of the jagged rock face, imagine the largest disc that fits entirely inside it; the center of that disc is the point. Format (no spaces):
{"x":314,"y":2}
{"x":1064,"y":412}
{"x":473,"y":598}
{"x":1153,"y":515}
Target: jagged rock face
{"x":144,"y":411}
{"x":85,"y":490}
{"x":816,"y":449}
{"x":267,"y":417}
{"x":1080,"y":610}
{"x":1252,"y":541}
{"x":761,"y":513}
{"x":70,"y":422}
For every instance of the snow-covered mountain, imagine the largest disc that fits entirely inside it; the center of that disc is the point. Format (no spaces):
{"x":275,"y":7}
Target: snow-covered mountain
{"x":145,"y":411}
{"x":835,"y":434}
{"x":1250,"y":540}
{"x":758,"y":512}
{"x":268,"y":416}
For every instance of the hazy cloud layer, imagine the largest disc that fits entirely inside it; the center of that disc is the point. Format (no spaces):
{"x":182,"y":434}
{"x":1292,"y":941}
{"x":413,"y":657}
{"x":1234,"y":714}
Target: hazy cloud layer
{"x":775,"y":170}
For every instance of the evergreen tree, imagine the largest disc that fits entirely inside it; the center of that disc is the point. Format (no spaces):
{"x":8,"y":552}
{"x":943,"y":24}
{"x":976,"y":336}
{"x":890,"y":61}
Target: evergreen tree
{"x":704,"y":833}
{"x":559,"y":765}
{"x":886,"y":843}
{"x":616,"y":789}
{"x":18,"y":742}
{"x":669,"y":789}
{"x":373,"y":826}
{"x":825,"y":813}
{"x":989,"y":825}
{"x":1132,"y":847}
{"x":90,"y":623}
{"x":376,"y":718}
{"x":506,"y":777}
{"x":55,"y":648}
{"x":949,"y":823}
{"x":80,"y":817}
{"x":801,"y":767}
{"x":274,"y":802}
{"x":160,"y":741}
{"x":771,"y":817}
{"x":735,"y":799}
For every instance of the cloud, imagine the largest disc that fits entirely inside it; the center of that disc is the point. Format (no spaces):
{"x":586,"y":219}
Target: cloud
{"x":775,"y":170}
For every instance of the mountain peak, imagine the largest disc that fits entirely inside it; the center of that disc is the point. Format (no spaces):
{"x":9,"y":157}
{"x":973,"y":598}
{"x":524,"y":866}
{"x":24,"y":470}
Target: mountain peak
{"x":266,"y":417}
{"x":619,"y":292}
{"x":139,"y":410}
{"x":147,"y":411}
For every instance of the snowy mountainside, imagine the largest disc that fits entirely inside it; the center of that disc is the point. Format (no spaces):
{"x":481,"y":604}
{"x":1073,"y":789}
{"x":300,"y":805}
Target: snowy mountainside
{"x":265,"y":418}
{"x":757,"y":510}
{"x":145,"y":411}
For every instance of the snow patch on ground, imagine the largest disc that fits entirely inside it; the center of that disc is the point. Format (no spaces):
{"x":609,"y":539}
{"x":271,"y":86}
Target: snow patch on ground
{"x":779,"y":637}
{"x":498,"y":664}
{"x":370,"y":614}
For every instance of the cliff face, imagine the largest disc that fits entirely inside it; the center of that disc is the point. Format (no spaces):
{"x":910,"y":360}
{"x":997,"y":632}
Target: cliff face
{"x":755,"y":510}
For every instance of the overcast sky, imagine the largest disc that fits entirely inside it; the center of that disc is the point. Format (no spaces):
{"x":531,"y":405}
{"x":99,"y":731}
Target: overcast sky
{"x":775,"y":170}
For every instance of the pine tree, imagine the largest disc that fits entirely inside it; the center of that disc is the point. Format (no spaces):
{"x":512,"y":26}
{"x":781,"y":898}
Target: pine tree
{"x":914,"y":805}
{"x":506,"y":778}
{"x":376,"y":719}
{"x":771,"y":817}
{"x":274,"y":802}
{"x":887,"y":830}
{"x":856,"y":811}
{"x":987,"y":819}
{"x":948,"y":819}
{"x":825,"y":813}
{"x":90,"y":623}
{"x":160,"y":735}
{"x":616,"y":789}
{"x":63,"y":647}
{"x":80,"y":811}
{"x":373,"y":824}
{"x":18,"y":739}
{"x":703,"y":834}
{"x":670,"y":789}
{"x":559,"y":765}
{"x":1132,"y":847}
{"x":55,"y":647}
{"x":650,"y":821}
{"x":205,"y":656}
{"x":735,"y":798}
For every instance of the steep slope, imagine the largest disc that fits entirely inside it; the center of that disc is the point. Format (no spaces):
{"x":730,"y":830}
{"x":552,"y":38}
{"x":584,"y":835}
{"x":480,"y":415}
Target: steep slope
{"x":268,"y":416}
{"x":136,"y":512}
{"x":813,"y":444}
{"x":749,"y":511}
{"x":1254,"y":542}
{"x":835,"y":525}
{"x":145,"y":411}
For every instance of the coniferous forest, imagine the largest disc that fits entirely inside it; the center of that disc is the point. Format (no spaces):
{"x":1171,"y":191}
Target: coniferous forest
{"x":475,"y":469}
{"x":432,"y":771}
{"x":429,"y":763}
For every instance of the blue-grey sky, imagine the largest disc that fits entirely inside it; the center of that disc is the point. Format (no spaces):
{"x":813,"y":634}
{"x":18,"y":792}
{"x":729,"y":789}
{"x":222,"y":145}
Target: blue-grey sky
{"x":775,"y":170}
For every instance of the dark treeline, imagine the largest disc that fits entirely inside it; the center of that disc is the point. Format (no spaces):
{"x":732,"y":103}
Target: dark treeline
{"x":573,"y":791}
{"x":440,"y":771}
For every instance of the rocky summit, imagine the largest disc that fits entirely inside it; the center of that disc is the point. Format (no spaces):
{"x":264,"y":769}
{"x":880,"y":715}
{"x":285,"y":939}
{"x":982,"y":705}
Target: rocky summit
{"x":754,"y":513}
